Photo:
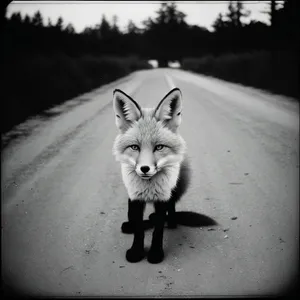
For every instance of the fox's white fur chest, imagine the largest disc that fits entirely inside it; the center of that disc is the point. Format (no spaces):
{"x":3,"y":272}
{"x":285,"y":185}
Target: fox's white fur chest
{"x":157,"y":188}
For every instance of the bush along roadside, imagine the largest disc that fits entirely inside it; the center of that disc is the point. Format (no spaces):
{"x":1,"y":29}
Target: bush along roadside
{"x":33,"y":84}
{"x":274,"y":71}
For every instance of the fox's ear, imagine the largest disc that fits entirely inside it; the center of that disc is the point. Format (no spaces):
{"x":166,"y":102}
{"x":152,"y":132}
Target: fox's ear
{"x":169,"y":109}
{"x":126,"y":110}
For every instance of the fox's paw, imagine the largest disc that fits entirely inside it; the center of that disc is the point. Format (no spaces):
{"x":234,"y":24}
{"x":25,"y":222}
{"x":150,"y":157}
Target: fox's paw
{"x":155,"y":256}
{"x":135,"y":254}
{"x":127,"y":227}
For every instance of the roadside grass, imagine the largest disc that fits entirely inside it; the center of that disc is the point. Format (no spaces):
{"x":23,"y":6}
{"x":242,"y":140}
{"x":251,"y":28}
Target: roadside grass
{"x":275,"y":71}
{"x":32,"y":84}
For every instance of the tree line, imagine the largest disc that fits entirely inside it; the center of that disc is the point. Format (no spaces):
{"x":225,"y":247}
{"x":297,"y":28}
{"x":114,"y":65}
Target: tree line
{"x":44,"y":63}
{"x":166,"y":37}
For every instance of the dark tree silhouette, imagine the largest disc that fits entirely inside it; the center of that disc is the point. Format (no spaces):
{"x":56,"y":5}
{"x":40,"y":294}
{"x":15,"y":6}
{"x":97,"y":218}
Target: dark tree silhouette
{"x":272,"y":13}
{"x":132,"y":28}
{"x":59,"y":24}
{"x":27,"y":20}
{"x":49,"y":23}
{"x":115,"y":29}
{"x":220,"y":24}
{"x":132,"y":40}
{"x":163,"y":33}
{"x":230,"y":30}
{"x":104,"y":28}
{"x":241,"y":12}
{"x":37,"y":19}
{"x":235,"y":13}
{"x":16,"y":17}
{"x":70,"y":29}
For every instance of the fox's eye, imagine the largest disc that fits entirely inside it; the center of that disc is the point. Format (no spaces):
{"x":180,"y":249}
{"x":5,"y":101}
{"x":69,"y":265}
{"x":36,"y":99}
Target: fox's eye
{"x":134,"y":147}
{"x":159,"y":147}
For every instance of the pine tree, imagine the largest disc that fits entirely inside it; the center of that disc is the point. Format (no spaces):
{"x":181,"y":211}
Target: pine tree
{"x":104,"y":28}
{"x":236,"y":12}
{"x":37,"y":19}
{"x":70,"y":29}
{"x":59,"y":23}
{"x":27,"y":19}
{"x":132,"y":28}
{"x":49,"y":23}
{"x":16,"y":17}
{"x":219,"y":24}
{"x":163,"y":31}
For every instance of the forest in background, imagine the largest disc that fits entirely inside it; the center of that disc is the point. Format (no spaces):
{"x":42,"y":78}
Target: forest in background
{"x":45,"y":64}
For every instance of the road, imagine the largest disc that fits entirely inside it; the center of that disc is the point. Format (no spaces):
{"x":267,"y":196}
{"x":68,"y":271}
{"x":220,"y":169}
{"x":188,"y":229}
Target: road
{"x":63,"y":200}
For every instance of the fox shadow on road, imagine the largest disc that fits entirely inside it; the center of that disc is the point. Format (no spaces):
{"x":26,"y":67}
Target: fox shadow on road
{"x":185,"y":218}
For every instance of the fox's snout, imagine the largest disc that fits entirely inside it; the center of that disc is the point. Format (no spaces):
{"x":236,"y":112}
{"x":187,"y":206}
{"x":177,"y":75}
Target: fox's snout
{"x":145,"y":171}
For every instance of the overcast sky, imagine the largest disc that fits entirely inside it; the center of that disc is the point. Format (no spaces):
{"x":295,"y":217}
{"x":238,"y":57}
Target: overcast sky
{"x":89,"y":13}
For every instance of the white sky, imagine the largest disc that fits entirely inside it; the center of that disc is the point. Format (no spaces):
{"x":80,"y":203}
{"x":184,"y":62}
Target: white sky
{"x":89,"y":13}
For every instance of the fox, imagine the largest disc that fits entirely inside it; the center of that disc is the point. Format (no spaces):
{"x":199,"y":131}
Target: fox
{"x":154,"y":166}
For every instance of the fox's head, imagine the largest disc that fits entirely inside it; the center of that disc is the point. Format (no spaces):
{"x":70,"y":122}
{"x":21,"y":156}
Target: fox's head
{"x":148,"y":142}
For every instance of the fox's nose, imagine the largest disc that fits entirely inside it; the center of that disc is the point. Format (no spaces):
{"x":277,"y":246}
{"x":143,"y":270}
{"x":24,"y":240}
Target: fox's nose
{"x":145,"y":169}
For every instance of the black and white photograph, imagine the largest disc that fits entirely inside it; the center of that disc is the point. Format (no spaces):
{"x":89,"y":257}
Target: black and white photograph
{"x":150,"y":149}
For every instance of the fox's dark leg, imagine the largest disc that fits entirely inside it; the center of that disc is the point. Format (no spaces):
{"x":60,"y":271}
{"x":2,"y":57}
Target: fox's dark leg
{"x":127,"y":227}
{"x":156,"y":252}
{"x":172,"y":222}
{"x":135,"y":216}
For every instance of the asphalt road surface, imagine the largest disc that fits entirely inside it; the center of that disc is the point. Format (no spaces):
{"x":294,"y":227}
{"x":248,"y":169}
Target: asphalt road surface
{"x":63,"y":200}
